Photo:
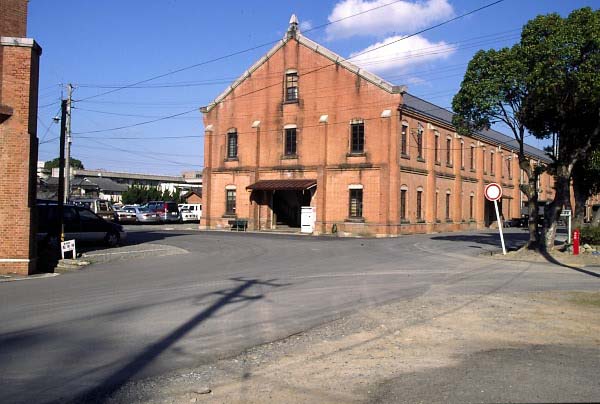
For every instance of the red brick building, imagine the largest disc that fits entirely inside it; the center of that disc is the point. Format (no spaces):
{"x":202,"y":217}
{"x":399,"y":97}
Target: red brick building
{"x":305,"y":127}
{"x":19,"y":61}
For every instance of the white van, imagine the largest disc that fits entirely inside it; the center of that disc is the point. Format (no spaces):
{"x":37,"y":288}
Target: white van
{"x":190,"y":212}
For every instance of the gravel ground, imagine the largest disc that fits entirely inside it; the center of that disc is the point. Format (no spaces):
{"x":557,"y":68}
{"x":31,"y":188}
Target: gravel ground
{"x":534,"y":347}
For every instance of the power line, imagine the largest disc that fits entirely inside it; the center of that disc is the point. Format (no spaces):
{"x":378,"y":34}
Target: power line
{"x":232,"y":54}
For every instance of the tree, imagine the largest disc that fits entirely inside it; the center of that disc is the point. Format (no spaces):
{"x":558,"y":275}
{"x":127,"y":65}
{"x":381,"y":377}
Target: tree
{"x":493,"y":90}
{"x":562,"y":56}
{"x":48,"y":165}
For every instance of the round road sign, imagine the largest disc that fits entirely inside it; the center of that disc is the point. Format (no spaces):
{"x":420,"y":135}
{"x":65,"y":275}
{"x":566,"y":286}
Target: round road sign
{"x":493,"y":191}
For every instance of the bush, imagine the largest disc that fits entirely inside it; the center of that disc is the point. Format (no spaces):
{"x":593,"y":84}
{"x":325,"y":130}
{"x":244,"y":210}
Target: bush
{"x":590,"y":235}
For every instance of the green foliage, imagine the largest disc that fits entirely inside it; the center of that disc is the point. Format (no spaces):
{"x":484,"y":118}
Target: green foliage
{"x":48,"y":165}
{"x":492,"y":90}
{"x":590,"y":235}
{"x":563,"y":57}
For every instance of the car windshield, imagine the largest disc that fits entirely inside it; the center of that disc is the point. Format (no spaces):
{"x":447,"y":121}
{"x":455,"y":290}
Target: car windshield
{"x":171,"y":206}
{"x":143,"y":210}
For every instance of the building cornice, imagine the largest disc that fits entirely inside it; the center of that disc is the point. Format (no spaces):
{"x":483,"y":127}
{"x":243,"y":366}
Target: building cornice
{"x":20,"y":42}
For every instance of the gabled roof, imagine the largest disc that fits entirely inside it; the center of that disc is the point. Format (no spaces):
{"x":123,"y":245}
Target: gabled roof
{"x":441,"y":114}
{"x":293,"y":32}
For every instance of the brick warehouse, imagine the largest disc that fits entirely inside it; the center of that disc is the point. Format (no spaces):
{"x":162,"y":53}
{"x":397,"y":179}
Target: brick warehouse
{"x":19,"y":66}
{"x":304,"y":127}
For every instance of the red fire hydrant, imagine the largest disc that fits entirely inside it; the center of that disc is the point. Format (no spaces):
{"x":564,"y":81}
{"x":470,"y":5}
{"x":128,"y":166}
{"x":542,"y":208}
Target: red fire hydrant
{"x":576,"y":242}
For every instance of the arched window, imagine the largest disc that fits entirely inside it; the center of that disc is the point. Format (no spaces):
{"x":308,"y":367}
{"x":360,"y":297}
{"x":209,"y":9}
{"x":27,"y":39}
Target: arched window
{"x":355,"y":204}
{"x":291,"y":85}
{"x":403,"y":192}
{"x":230,"y":199}
{"x":357,"y":136}
{"x":420,"y":203}
{"x":420,"y":142}
{"x":404,"y":139}
{"x":448,"y":215}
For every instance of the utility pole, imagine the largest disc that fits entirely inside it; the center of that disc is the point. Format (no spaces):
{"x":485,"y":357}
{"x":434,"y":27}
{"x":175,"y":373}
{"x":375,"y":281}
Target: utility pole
{"x":61,"y":170}
{"x":68,"y":145}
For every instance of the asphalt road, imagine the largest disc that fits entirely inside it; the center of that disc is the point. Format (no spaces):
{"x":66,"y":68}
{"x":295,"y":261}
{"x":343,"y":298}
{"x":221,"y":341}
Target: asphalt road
{"x":83,"y":335}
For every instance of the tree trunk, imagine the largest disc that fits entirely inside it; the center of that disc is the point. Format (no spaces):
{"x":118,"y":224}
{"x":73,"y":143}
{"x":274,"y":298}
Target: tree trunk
{"x":561,"y":199}
{"x":581,"y":195}
{"x":530,"y":190}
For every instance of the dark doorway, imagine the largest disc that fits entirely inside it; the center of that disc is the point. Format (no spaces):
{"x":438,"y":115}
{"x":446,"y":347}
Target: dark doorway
{"x":286,"y":206}
{"x":489,"y":212}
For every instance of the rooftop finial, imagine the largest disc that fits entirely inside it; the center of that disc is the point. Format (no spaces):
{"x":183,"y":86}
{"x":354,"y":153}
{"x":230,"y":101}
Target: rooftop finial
{"x":293,"y":28}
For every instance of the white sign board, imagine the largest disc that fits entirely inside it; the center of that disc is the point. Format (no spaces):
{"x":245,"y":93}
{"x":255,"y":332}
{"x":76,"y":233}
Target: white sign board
{"x":308,"y":216}
{"x":566,"y":212}
{"x":67,"y":246}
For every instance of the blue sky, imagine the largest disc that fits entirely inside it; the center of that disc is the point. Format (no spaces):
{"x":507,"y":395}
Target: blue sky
{"x":97,"y":45}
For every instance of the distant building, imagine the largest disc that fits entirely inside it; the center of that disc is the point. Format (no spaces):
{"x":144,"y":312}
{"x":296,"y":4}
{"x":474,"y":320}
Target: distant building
{"x":19,"y":76}
{"x":110,"y":185}
{"x":193,"y":197}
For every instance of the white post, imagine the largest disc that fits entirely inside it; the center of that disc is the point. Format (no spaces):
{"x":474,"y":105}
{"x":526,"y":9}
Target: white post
{"x":500,"y":224}
{"x":569,"y":230}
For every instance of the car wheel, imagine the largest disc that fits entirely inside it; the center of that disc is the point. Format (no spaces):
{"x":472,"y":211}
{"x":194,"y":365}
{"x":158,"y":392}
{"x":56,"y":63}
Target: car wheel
{"x":112,"y":239}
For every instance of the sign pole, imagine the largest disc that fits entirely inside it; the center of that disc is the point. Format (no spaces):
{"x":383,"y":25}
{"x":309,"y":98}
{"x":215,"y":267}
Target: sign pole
{"x":500,"y":224}
{"x":569,"y":233}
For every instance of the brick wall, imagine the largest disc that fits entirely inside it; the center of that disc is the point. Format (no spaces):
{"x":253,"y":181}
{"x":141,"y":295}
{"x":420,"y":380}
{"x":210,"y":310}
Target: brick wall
{"x":19,"y":68}
{"x":13,"y":20}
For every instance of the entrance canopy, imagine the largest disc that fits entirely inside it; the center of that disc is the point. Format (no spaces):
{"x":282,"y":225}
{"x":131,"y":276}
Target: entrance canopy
{"x":282,"y":185}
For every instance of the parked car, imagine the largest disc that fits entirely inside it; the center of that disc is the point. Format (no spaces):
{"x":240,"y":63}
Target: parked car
{"x":167,"y":211}
{"x":126,"y":214}
{"x":100,"y":207}
{"x":144,"y":215}
{"x":80,"y":223}
{"x":190,"y":212}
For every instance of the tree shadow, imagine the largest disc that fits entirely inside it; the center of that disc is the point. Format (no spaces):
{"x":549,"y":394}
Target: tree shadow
{"x":554,"y":261}
{"x":117,"y":379}
{"x":513,"y":241}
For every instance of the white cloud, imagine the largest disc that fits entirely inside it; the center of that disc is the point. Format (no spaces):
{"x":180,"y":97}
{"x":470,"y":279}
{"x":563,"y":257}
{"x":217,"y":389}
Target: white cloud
{"x":306,"y":25}
{"x":403,"y":16}
{"x":397,"y":55}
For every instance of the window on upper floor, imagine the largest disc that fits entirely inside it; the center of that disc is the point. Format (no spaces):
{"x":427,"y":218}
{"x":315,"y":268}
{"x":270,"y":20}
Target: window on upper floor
{"x":232,"y":144}
{"x":472,"y":158}
{"x":291,"y":86}
{"x":404,"y":140}
{"x":448,"y":151}
{"x":420,"y":142}
{"x":492,"y":158}
{"x":462,"y":155}
{"x":357,"y":137}
{"x":290,"y":142}
{"x":436,"y":147}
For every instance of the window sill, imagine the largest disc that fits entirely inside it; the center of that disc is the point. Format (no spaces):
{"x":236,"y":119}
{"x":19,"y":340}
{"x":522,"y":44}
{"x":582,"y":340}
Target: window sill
{"x":449,"y":166}
{"x":463,"y":168}
{"x":296,"y":101}
{"x":437,"y":163}
{"x":229,"y":216}
{"x":405,"y":156}
{"x":228,"y":159}
{"x":355,"y":219}
{"x":472,"y":170}
{"x":421,"y":221}
{"x":420,"y":159}
{"x":289,"y":157}
{"x":449,"y":221}
{"x":356,"y":154}
{"x":404,"y":221}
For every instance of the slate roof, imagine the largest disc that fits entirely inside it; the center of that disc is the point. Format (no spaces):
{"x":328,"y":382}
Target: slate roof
{"x":438,"y":113}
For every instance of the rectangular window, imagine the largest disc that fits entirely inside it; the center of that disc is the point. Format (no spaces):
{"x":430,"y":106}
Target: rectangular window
{"x":449,"y":152}
{"x":419,"y":205}
{"x":435,"y":207}
{"x":290,"y":142}
{"x":492,"y":157}
{"x":357,"y":141}
{"x":403,"y":204}
{"x":509,"y":167}
{"x":356,"y":198}
{"x":472,"y":158}
{"x":447,"y":206}
{"x":436,"y":148}
{"x":483,"y":161}
{"x":462,"y":154}
{"x":471,"y":206}
{"x":230,"y":202}
{"x":232,"y":145}
{"x":420,"y":142}
{"x":291,"y":87}
{"x":404,"y":141}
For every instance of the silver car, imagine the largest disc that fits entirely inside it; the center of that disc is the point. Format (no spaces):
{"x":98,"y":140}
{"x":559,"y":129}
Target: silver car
{"x":145,"y":215}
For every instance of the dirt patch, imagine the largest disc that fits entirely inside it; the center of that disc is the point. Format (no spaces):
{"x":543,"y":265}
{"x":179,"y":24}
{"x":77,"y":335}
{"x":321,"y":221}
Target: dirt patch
{"x":431,"y":349}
